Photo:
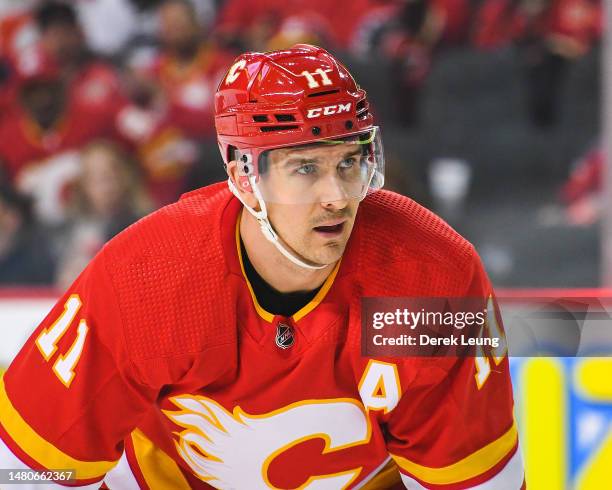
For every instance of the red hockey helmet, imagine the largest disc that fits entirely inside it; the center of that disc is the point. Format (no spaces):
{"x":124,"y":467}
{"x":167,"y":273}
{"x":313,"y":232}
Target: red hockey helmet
{"x":295,"y":97}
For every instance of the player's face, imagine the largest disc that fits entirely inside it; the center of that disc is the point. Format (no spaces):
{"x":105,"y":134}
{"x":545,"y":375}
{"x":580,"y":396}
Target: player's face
{"x":318,"y":225}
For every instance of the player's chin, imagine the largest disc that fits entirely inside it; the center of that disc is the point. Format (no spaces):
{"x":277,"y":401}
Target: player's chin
{"x":330,"y":252}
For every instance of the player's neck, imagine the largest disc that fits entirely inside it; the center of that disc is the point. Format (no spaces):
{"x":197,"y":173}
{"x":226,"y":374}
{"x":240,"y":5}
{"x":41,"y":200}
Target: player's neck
{"x":278,"y":271}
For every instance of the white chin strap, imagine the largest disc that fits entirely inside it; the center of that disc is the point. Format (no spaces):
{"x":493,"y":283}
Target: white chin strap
{"x":266,"y":226}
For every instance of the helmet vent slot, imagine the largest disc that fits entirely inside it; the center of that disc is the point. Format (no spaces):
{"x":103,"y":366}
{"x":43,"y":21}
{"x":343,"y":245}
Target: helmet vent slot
{"x":260,"y":118}
{"x":325,"y":92}
{"x":284,"y":117}
{"x":361,"y":109}
{"x":267,"y":129}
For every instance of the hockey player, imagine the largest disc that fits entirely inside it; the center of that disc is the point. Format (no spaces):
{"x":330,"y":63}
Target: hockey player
{"x":216,"y":343}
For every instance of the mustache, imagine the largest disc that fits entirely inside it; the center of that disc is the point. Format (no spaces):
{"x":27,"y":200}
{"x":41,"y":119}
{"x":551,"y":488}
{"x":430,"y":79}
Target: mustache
{"x":332,"y":215}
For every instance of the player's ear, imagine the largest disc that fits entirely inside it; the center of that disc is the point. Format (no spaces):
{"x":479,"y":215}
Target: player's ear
{"x":241,"y":182}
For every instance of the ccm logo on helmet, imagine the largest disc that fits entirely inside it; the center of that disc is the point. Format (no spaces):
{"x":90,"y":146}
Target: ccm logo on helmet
{"x":328,"y":110}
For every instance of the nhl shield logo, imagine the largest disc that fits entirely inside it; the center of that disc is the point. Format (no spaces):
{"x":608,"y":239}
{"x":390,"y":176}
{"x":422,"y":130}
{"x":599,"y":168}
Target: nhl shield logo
{"x":284,"y":336}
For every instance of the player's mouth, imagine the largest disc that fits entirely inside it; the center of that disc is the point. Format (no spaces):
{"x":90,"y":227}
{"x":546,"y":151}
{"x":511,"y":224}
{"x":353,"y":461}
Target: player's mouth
{"x":332,"y":229}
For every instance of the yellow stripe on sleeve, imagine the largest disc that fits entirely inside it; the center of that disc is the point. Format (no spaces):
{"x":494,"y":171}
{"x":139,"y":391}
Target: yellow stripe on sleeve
{"x":42,"y":451}
{"x":158,"y":469}
{"x":471,"y":466}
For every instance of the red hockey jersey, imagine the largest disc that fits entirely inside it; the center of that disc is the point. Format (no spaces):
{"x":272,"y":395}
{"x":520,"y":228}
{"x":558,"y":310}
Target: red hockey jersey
{"x":159,"y":369}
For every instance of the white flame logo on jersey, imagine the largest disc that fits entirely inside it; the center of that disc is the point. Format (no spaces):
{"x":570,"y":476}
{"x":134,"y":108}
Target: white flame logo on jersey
{"x":234,"y":450}
{"x":328,"y":110}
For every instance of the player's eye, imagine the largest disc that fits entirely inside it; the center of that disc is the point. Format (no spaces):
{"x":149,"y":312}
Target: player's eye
{"x":306,"y":169}
{"x":347,"y":163}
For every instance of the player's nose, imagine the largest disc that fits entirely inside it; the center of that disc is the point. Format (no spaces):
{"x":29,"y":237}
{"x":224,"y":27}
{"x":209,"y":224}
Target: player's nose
{"x":333,"y":193}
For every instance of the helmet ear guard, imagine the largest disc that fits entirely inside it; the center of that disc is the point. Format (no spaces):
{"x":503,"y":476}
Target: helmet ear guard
{"x":246,"y":170}
{"x":243,"y":163}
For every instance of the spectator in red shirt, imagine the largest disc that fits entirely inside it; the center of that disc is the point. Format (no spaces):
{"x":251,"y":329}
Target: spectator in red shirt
{"x":188,"y":69}
{"x":409,"y":43}
{"x":91,"y":82}
{"x":248,"y":25}
{"x":555,"y":33}
{"x":146,"y":124}
{"x":549,"y":35}
{"x":41,"y":130}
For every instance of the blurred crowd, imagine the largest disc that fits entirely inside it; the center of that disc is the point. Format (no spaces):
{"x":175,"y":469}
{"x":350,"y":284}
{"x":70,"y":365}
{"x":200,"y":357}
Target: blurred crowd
{"x":106,"y":105}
